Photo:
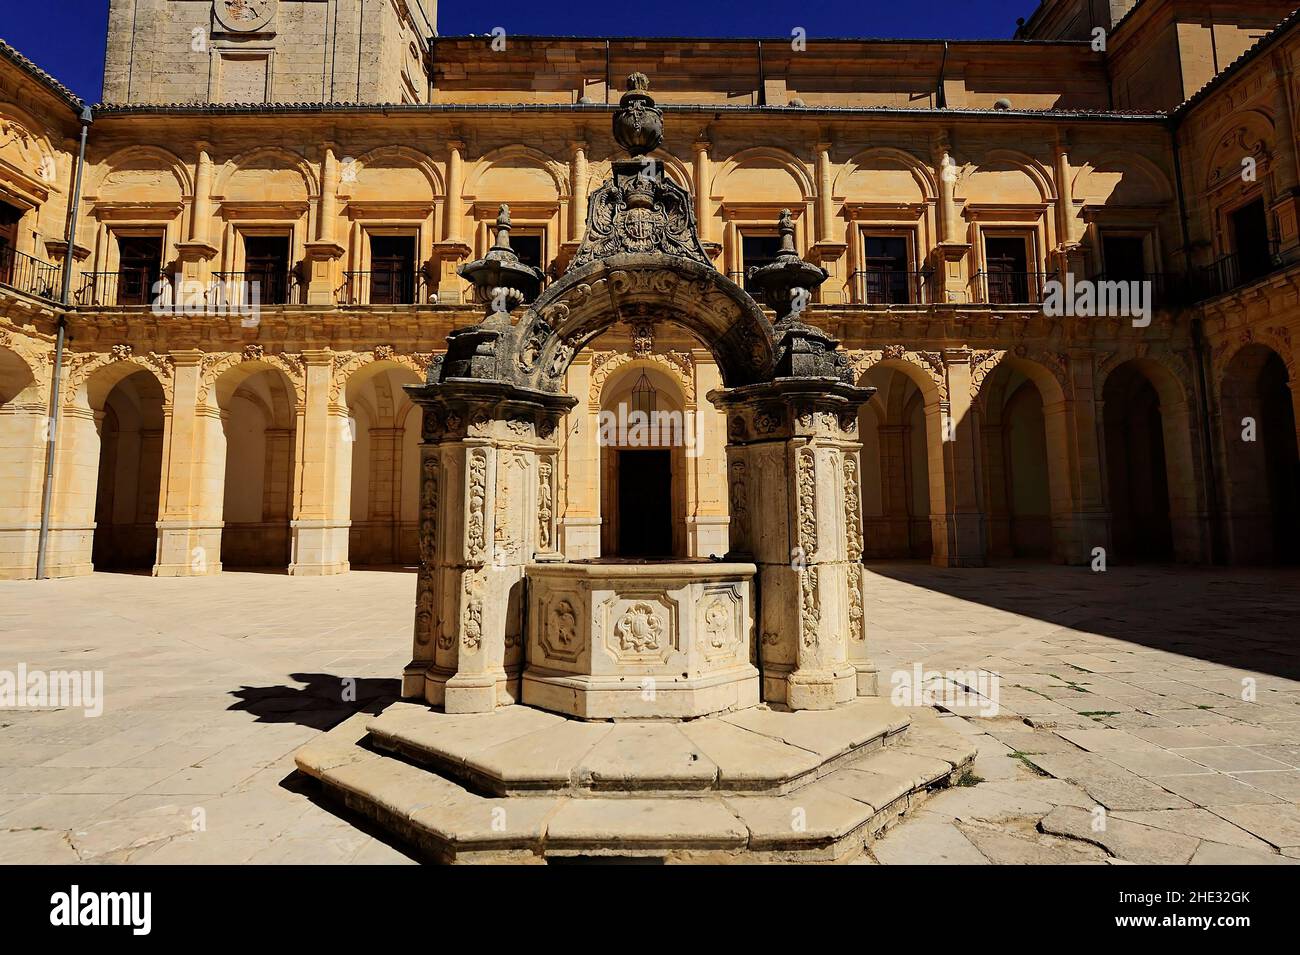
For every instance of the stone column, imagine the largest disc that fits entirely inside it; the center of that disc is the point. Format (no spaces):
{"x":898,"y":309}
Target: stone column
{"x":488,"y":482}
{"x":1091,"y":516}
{"x":950,"y":260}
{"x":960,"y":539}
{"x":199,"y":221}
{"x":322,"y":254}
{"x":794,"y":476}
{"x":193,"y":477}
{"x":452,"y":250}
{"x":578,"y":192}
{"x":703,"y":217}
{"x":321,"y":516}
{"x":23,"y":428}
{"x":825,"y":205}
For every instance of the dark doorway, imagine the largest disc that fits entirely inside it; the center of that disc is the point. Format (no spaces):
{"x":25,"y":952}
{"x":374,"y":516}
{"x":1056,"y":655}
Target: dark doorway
{"x":645,"y":490}
{"x":139,"y":266}
{"x":1007,"y":270}
{"x":1250,"y":241}
{"x":528,"y":248}
{"x":392,"y":270}
{"x":1282,"y":463}
{"x":266,"y":261}
{"x":1135,"y":456}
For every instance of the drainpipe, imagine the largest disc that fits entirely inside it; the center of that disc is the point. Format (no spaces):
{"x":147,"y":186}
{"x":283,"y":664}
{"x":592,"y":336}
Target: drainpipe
{"x":762,"y":77}
{"x":941,"y":97}
{"x":47,"y":497}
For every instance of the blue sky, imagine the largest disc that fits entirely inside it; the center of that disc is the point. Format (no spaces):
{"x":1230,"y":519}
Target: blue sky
{"x":70,"y":43}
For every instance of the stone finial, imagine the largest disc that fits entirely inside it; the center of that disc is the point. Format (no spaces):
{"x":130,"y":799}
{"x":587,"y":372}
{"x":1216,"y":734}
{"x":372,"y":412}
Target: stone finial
{"x":638,"y":123}
{"x":503,"y":228}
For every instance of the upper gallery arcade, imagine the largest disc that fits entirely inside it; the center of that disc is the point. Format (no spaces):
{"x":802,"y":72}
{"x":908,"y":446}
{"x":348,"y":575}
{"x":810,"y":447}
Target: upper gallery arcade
{"x":350,"y":162}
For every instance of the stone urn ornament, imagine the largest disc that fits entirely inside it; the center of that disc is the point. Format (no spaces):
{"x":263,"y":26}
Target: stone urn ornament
{"x":501,"y":282}
{"x":638,"y":123}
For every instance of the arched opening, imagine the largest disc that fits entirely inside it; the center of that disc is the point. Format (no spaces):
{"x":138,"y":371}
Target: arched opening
{"x":23,"y":410}
{"x":643,"y":439}
{"x":896,"y":468}
{"x":259,"y":421}
{"x":130,"y":474}
{"x":1137,"y":475}
{"x":1024,"y":457}
{"x":385,"y":498}
{"x":1260,"y":457}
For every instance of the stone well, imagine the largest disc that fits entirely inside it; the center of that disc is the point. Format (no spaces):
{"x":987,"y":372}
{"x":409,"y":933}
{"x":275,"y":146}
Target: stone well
{"x":610,"y":639}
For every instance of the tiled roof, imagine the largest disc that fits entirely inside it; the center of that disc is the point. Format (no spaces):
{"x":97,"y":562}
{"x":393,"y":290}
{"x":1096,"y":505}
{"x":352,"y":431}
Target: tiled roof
{"x":246,"y":109}
{"x":28,"y":66}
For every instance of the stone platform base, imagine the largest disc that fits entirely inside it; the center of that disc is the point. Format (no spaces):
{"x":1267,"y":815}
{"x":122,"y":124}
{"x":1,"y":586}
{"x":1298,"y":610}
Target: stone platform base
{"x":523,"y":785}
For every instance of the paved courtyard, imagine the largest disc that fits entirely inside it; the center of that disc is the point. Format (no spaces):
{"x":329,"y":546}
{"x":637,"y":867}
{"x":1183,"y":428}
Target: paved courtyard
{"x":1146,"y":715}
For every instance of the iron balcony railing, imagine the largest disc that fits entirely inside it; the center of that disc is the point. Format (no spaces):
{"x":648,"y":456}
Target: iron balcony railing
{"x":890,"y":287}
{"x":27,"y":274}
{"x":384,"y":287}
{"x":260,"y":286}
{"x":1167,"y":288}
{"x":1010,"y":288}
{"x":1235,"y":270}
{"x":125,"y":287}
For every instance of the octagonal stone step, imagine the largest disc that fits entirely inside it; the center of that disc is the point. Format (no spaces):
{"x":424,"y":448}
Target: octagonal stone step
{"x":830,"y":819}
{"x":520,"y":750}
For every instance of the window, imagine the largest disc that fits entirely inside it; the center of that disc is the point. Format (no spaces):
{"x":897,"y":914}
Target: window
{"x":1250,"y":240}
{"x":139,"y":267}
{"x":886,"y":279}
{"x":392,"y":270}
{"x":9,"y":218}
{"x":1007,"y":270}
{"x":266,"y":262}
{"x":1124,"y":258}
{"x":528,"y":247}
{"x":757,"y":251}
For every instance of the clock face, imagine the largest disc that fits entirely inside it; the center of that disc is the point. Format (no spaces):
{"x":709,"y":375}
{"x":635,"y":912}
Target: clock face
{"x":243,"y":16}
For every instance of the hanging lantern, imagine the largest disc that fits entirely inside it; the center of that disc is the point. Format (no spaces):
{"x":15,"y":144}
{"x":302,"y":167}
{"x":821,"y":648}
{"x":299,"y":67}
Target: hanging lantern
{"x":643,"y":396}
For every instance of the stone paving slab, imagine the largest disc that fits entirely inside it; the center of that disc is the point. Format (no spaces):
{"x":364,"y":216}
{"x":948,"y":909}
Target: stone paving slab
{"x":215,"y":682}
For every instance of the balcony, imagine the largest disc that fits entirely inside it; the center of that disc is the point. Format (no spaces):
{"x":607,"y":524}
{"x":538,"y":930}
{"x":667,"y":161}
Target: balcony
{"x":260,"y":286}
{"x":23,"y":273}
{"x":1010,"y":288}
{"x":130,"y":287}
{"x":890,"y":287}
{"x":1237,"y":269}
{"x":385,"y":287}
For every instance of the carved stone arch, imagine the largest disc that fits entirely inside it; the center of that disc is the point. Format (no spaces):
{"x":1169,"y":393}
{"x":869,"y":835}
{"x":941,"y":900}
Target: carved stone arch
{"x":289,"y":160}
{"x":925,"y":368}
{"x":347,"y":366}
{"x":90,"y":378}
{"x":558,"y":171}
{"x":1248,"y":133}
{"x":216,"y":384}
{"x":590,"y":299}
{"x":1277,"y":340}
{"x":1168,"y":374}
{"x":921,"y":173}
{"x":1045,"y":369}
{"x":606,"y":365}
{"x":784,"y":159}
{"x":412,"y":157}
{"x":24,"y":377}
{"x":121,"y":161}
